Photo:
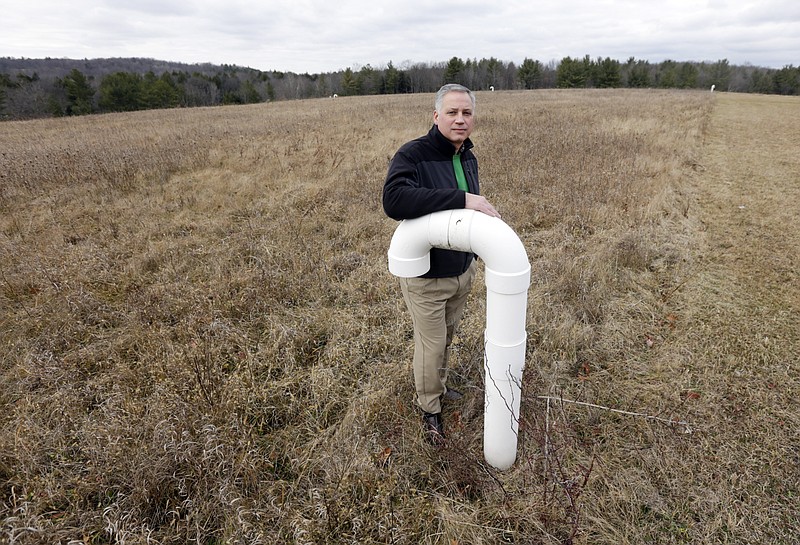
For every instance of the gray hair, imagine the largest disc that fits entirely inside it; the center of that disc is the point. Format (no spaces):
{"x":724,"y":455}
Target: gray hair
{"x":449,"y":88}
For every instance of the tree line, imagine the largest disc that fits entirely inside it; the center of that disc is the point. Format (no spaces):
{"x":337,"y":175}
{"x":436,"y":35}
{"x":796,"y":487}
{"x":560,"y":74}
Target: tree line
{"x":31,"y":88}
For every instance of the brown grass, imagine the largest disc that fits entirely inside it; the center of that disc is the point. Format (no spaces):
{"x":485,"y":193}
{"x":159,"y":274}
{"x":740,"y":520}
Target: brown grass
{"x":201,"y":341}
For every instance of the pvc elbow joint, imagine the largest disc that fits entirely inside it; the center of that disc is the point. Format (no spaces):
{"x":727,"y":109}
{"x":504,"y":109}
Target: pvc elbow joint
{"x":507,"y":280}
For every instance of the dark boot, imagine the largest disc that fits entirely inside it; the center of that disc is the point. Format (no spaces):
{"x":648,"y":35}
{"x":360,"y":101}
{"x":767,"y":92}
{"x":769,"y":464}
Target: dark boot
{"x":433,"y":428}
{"x":452,"y":395}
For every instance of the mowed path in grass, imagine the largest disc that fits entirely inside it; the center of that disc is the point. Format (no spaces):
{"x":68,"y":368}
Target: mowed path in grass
{"x":749,"y":194}
{"x":739,"y":344}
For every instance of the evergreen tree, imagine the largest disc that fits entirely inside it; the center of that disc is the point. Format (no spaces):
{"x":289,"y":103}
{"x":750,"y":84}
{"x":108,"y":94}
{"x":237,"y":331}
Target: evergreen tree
{"x":5,"y":81}
{"x":121,"y":92}
{"x":454,"y":71}
{"x":79,"y":93}
{"x":229,"y":85}
{"x":250,"y":93}
{"x":160,"y":92}
{"x":638,"y":73}
{"x":787,"y":80}
{"x":391,"y":80}
{"x":349,"y":83}
{"x":529,"y":74}
{"x":667,"y":74}
{"x":687,"y":76}
{"x":607,"y":73}
{"x":368,"y":83}
{"x":494,"y":69}
{"x":232,"y":97}
{"x":760,"y":82}
{"x":720,"y":74}
{"x":573,"y":73}
{"x":6,"y":84}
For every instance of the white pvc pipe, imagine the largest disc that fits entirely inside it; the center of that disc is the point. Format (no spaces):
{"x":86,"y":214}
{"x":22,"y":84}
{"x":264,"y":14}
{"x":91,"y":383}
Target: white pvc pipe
{"x":508,"y":276}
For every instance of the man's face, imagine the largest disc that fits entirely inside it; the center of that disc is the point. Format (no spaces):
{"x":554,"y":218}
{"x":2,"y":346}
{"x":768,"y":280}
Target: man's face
{"x":456,"y":120}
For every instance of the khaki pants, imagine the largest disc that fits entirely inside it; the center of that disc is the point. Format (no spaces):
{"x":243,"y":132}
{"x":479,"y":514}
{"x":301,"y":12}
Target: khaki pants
{"x":436,"y":306}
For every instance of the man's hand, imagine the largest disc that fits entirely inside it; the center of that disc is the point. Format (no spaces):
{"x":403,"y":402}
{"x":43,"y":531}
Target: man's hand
{"x":479,"y":203}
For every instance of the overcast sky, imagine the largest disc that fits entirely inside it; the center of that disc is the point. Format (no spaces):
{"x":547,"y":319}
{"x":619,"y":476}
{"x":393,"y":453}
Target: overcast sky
{"x":315,"y":36}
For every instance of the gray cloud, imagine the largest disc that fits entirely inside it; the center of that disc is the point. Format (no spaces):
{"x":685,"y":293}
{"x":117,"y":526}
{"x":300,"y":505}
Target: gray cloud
{"x":315,"y":36}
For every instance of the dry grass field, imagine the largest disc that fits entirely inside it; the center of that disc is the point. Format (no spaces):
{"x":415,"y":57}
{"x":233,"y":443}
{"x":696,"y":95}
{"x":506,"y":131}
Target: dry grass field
{"x":200,"y":341}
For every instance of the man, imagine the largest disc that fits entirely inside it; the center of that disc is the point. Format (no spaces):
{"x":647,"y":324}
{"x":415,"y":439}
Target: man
{"x":437,"y":172}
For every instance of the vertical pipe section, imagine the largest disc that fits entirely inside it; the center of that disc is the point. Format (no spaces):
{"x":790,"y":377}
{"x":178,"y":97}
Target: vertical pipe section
{"x":508,"y":276}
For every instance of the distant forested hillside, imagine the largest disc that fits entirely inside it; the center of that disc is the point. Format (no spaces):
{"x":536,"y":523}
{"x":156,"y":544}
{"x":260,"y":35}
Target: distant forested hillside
{"x":97,"y":68}
{"x":32,"y":88}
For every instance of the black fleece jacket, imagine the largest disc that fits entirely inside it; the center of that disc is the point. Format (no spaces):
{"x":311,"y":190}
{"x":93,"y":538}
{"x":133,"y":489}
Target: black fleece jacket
{"x":421,"y":181}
